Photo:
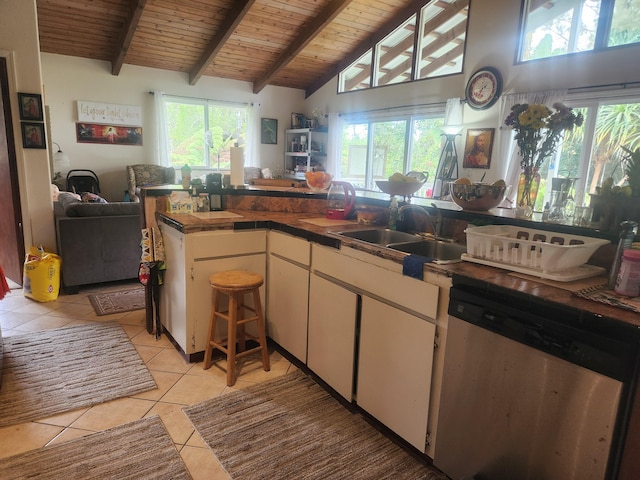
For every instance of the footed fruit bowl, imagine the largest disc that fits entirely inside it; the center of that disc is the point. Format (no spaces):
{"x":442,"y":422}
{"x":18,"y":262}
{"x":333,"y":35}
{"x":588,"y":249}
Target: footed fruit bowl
{"x":404,"y":188}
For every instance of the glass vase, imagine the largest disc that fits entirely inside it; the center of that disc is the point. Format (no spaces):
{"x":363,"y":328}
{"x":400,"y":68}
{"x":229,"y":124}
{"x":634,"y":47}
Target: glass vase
{"x":528,"y":185}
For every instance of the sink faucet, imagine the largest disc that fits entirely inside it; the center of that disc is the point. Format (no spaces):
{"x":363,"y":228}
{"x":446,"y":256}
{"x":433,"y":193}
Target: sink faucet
{"x":435,"y":226}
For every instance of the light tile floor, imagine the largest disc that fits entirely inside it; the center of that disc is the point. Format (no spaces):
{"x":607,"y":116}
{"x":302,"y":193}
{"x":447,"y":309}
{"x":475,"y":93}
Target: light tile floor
{"x":179,"y":383}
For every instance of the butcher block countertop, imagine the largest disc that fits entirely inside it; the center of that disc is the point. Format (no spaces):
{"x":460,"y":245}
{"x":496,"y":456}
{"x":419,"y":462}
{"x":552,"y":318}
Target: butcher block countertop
{"x":315,"y":227}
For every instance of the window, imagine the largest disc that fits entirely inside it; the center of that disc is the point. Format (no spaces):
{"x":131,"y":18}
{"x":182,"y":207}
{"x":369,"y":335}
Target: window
{"x":375,"y":149}
{"x":200,"y":132}
{"x":592,"y":152}
{"x":569,"y":26}
{"x":442,"y":28}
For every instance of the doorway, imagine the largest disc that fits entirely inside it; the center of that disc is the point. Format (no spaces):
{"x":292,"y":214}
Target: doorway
{"x":11,"y":237}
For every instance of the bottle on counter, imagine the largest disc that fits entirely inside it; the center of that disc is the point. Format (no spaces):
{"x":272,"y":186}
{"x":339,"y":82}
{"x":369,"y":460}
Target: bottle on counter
{"x":627,"y":234}
{"x":186,"y":176}
{"x":628,"y":281}
{"x":393,"y":214}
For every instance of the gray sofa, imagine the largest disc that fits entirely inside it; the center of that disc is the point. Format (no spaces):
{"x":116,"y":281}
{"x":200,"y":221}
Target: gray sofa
{"x":98,"y":242}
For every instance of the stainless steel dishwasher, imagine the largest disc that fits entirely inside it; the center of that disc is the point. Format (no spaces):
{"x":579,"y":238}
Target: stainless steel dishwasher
{"x":532,"y":391}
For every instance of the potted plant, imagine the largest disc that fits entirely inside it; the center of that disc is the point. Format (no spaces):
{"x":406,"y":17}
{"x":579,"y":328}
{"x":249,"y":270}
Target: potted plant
{"x":615,"y":203}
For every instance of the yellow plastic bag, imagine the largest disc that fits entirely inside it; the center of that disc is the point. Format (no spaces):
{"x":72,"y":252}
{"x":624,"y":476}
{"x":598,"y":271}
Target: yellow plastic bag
{"x":41,"y":275}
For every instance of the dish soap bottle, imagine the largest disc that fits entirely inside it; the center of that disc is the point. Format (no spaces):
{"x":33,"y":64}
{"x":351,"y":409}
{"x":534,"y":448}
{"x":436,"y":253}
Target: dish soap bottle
{"x":186,"y":176}
{"x":393,"y":214}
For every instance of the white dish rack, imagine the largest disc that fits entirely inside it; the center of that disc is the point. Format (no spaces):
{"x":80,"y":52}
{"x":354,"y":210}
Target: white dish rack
{"x":552,"y":255}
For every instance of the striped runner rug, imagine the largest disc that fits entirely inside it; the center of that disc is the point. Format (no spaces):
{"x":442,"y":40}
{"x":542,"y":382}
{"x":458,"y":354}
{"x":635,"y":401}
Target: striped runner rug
{"x":291,"y":428}
{"x":138,"y":450}
{"x":55,"y":371}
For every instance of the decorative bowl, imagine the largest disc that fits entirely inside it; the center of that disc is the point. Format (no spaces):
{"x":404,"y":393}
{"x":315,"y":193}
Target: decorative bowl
{"x":478,"y":197}
{"x":318,"y":181}
{"x":399,"y":188}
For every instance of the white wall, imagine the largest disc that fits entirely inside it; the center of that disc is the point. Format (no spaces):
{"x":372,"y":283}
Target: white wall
{"x":68,"y":79}
{"x":491,"y":41}
{"x":20,"y":46}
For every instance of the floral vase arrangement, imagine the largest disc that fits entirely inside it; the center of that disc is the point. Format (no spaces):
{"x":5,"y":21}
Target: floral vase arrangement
{"x":538,"y":133}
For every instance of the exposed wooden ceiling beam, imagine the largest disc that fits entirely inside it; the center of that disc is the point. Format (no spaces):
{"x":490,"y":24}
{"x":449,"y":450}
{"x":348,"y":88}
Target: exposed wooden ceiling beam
{"x":236,"y":14}
{"x":361,"y":49}
{"x":124,"y":42}
{"x":301,"y":41}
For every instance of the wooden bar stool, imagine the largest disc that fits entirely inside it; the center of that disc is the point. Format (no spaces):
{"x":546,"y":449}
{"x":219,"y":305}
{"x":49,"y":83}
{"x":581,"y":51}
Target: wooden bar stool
{"x":236,"y":284}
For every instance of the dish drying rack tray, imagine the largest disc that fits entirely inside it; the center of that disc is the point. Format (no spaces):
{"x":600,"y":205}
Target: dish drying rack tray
{"x":550,"y":255}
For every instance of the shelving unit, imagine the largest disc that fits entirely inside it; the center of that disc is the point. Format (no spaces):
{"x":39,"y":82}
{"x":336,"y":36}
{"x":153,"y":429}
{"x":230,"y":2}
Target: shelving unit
{"x":305,"y":150}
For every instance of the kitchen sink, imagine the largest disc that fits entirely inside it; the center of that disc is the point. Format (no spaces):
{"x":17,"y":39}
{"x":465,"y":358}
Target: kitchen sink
{"x":438,"y":250}
{"x":379,"y":236}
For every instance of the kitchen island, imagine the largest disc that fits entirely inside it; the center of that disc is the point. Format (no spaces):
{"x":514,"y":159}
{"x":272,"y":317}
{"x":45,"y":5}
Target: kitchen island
{"x":312,"y":233}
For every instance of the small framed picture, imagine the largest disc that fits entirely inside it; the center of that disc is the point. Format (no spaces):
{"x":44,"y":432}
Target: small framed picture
{"x":478,"y":147}
{"x":269,"y":131}
{"x":33,"y":135}
{"x":30,"y":106}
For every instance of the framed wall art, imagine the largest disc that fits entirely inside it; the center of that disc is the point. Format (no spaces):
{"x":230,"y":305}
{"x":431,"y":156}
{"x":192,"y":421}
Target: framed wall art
{"x":30,"y":107}
{"x":269,"y":131}
{"x":478,"y":147}
{"x":33,"y":135}
{"x":108,"y":134}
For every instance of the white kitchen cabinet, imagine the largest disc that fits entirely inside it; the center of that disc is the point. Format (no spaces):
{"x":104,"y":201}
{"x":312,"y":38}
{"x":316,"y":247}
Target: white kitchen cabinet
{"x":398,"y":370}
{"x":288,"y":292}
{"x":332,"y":334}
{"x":185,"y":296}
{"x":394,"y":369}
{"x":305,"y":150}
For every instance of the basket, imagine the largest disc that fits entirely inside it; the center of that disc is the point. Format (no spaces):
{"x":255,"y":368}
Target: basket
{"x":517,"y":248}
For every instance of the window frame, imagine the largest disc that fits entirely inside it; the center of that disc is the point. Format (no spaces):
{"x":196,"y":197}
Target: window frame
{"x":434,"y":112}
{"x":601,"y":39}
{"x":205,"y":105}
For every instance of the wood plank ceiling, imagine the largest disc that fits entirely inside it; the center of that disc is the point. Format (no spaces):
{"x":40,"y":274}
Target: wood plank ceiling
{"x":290,"y":43}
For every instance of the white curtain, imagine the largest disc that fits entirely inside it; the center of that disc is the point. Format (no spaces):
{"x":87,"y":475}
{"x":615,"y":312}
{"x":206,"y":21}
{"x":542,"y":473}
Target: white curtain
{"x":252,"y":147}
{"x":507,"y":147}
{"x":161,"y":147}
{"x":334,"y":149}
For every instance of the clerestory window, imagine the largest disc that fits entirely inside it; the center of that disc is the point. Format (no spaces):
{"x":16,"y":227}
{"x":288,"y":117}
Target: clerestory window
{"x":560,"y":27}
{"x":428,"y":44}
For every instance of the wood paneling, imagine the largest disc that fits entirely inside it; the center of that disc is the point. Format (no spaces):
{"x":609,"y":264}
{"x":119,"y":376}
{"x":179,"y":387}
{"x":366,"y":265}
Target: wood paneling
{"x":181,"y":35}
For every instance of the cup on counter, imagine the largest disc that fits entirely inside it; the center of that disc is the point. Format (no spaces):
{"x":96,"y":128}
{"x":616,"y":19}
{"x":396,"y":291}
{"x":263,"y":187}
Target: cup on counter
{"x":582,"y":216}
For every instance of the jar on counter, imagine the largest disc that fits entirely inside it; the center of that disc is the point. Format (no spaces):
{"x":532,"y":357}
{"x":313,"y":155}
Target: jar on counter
{"x":628,"y":281}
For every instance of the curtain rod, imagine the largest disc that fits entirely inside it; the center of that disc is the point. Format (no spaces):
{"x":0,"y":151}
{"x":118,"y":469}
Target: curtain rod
{"x":151,"y":92}
{"x":607,"y":86}
{"x":387,"y":109}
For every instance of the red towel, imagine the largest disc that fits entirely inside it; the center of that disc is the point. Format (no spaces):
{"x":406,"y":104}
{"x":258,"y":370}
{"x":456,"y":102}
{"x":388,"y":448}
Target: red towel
{"x":4,"y":286}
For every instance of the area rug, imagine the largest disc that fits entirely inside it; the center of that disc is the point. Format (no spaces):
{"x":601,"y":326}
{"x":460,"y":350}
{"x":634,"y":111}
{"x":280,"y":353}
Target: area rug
{"x":140,"y":449}
{"x":291,"y":428}
{"x":118,"y":302}
{"x":56,"y":371}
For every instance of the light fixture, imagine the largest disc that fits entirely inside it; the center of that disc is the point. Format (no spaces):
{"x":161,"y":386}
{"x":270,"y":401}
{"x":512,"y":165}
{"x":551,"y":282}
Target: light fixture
{"x":61,"y":160}
{"x":447,"y":169}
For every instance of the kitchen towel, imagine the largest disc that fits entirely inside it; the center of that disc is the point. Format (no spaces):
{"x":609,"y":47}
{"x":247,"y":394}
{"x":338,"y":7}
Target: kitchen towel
{"x":412,"y":265}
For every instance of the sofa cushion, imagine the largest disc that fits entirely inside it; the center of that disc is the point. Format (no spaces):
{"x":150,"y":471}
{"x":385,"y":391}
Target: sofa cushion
{"x":75,"y":208}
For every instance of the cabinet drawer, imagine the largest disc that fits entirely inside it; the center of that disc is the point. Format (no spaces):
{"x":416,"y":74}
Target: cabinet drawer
{"x":222,"y":243}
{"x":290,"y":247}
{"x":409,"y":293}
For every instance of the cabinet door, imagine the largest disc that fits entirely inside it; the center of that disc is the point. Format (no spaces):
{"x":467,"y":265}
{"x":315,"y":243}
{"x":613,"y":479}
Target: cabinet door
{"x":394,"y":369}
{"x":287,"y":306}
{"x":332,"y":333}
